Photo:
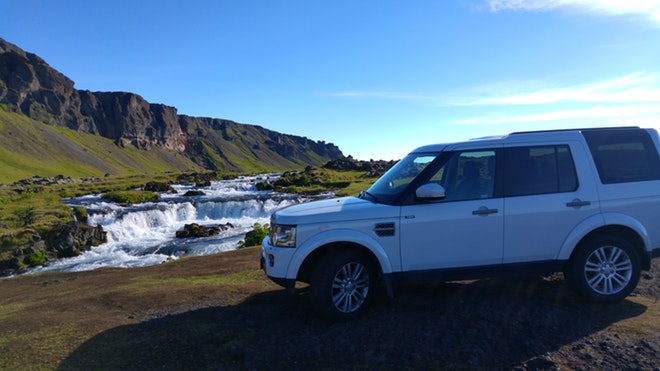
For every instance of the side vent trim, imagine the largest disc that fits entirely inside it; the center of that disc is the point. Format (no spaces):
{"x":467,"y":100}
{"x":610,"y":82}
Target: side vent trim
{"x":384,"y":229}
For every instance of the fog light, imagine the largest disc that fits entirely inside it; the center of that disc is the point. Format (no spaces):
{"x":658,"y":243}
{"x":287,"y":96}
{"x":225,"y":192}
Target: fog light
{"x":271,"y":260}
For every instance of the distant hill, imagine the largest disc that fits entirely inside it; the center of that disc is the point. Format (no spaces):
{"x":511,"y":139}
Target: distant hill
{"x":48,"y":127}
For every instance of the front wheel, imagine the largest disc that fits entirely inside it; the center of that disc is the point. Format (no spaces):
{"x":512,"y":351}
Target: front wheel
{"x":342,"y":285}
{"x":605,"y":269}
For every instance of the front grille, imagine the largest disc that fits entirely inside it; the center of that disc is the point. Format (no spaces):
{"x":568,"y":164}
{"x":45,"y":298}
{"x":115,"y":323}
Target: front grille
{"x":384,"y":229}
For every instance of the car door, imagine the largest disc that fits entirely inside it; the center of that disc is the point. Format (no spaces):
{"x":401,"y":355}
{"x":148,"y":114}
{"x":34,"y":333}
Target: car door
{"x":465,"y":229}
{"x":545,"y":198}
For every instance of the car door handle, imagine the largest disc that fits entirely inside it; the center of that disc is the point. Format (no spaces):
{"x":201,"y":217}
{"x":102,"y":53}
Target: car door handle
{"x":578,"y":203}
{"x":484,"y":211}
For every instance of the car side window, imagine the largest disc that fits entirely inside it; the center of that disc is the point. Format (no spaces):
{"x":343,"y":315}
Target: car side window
{"x":467,"y":175}
{"x":538,"y":170}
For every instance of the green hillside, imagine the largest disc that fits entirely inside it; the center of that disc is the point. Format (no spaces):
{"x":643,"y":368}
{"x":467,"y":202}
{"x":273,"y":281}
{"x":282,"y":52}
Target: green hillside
{"x":229,"y":149}
{"x":29,"y":148}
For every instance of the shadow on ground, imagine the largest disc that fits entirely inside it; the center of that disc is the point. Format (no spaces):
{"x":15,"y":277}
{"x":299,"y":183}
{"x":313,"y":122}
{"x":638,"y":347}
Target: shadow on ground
{"x":485,"y":324}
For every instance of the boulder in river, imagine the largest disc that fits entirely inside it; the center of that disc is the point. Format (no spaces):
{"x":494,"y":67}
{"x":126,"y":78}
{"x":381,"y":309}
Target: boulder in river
{"x":196,"y":230}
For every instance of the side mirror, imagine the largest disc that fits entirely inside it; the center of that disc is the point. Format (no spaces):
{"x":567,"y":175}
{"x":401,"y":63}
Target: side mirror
{"x":430,"y":192}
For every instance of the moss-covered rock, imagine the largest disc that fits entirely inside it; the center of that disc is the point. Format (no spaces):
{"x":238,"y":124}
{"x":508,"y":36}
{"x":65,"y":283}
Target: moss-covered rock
{"x":196,"y":230}
{"x":131,"y":197}
{"x":159,"y":187}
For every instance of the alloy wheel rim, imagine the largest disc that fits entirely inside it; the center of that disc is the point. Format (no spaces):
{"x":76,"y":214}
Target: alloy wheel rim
{"x":350,"y":287}
{"x":608,"y":270}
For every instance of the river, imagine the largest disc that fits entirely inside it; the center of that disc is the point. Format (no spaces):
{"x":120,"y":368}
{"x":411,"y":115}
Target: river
{"x":145,"y":234}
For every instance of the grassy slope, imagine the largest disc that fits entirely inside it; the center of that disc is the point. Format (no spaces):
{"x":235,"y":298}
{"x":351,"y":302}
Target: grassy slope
{"x":246,"y":151}
{"x":29,"y":148}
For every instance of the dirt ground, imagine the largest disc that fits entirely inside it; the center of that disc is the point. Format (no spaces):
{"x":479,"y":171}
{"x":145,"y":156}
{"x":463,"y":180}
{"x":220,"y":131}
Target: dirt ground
{"x":220,"y":312}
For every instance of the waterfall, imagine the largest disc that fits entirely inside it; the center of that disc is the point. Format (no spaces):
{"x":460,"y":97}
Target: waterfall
{"x":145,"y":234}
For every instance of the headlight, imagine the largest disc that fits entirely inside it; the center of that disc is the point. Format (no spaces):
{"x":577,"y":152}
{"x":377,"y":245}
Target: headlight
{"x":283,"y":235}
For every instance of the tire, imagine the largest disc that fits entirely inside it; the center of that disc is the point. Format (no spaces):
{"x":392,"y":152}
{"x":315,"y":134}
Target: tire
{"x":605,"y":269}
{"x":342,"y":285}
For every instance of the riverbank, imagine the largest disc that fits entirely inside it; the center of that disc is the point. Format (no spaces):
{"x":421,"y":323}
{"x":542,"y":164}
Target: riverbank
{"x":43,"y":220}
{"x":220,"y":312}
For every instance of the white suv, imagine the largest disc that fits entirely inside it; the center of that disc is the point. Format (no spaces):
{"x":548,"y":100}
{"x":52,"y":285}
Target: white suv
{"x":583,"y":201}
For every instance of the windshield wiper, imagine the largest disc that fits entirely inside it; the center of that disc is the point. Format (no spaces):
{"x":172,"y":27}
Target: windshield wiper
{"x":371,"y":196}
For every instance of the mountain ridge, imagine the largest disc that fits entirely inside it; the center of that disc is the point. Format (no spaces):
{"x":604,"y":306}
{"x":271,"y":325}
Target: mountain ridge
{"x":30,"y":87}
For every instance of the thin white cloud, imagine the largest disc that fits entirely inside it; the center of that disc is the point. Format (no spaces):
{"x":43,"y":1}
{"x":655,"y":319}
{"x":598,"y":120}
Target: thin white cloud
{"x":633,"y":99}
{"x":638,"y":87}
{"x":617,"y":115}
{"x":645,"y":8}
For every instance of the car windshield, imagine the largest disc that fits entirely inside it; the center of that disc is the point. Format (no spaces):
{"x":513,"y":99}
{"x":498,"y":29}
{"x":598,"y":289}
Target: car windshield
{"x":390,"y":186}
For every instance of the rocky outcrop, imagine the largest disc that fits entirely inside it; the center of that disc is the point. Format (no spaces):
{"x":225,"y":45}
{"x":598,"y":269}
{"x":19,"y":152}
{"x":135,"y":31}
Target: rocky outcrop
{"x":29,"y":86}
{"x":61,"y":241}
{"x":371,"y":168}
{"x":32,"y":87}
{"x":71,"y":239}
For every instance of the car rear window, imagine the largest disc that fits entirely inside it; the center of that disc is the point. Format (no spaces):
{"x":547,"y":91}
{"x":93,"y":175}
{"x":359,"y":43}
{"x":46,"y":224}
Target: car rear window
{"x":623,"y":155}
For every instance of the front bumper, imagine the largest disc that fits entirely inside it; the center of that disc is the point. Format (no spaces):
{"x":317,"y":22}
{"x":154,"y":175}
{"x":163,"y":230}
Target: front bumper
{"x":274,"y":262}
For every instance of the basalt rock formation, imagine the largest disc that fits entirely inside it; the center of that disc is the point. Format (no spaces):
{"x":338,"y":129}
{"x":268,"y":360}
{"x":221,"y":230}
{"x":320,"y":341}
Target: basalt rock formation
{"x":29,"y":86}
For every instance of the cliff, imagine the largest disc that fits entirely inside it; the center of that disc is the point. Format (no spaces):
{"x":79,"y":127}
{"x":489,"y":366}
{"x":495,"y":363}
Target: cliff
{"x":30,"y":87}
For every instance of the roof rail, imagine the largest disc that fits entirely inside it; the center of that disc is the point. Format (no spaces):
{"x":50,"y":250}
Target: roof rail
{"x":575,"y":129}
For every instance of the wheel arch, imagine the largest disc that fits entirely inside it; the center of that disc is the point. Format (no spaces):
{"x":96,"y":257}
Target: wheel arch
{"x":313,"y":259}
{"x":625,"y":232}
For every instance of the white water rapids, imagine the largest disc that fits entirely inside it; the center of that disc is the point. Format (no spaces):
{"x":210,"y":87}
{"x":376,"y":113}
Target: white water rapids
{"x":145,"y":234}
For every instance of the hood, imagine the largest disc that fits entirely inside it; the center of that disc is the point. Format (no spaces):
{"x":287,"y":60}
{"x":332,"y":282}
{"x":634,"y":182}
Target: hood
{"x":336,"y":209}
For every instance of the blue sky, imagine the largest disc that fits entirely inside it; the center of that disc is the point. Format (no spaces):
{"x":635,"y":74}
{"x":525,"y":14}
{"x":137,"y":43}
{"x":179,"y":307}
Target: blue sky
{"x":376,"y":78}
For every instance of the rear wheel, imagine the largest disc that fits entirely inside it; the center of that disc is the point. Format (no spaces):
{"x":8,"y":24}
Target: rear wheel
{"x":606,"y":268}
{"x":342,"y":285}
